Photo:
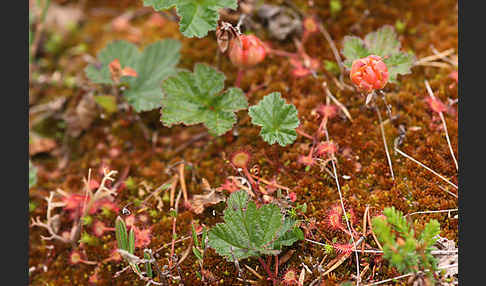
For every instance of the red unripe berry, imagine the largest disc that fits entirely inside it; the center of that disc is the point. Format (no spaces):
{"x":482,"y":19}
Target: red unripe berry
{"x":369,"y":73}
{"x":247,"y":51}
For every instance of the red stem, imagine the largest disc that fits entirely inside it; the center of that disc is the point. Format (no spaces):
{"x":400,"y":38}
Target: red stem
{"x":267,"y":269}
{"x":238,"y":77}
{"x":173,"y":241}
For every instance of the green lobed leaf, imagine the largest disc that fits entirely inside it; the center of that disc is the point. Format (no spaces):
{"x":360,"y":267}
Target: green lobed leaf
{"x":197,"y":17}
{"x":400,"y":63}
{"x":353,"y":49}
{"x":383,"y":42}
{"x":192,"y":98}
{"x":250,"y":231}
{"x":277,"y":119}
{"x":153,"y":65}
{"x":32,"y":175}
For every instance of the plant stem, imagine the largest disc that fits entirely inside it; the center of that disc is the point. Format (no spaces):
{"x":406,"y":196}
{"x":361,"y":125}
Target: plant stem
{"x":238,"y":77}
{"x":267,"y":269}
{"x":384,"y":142}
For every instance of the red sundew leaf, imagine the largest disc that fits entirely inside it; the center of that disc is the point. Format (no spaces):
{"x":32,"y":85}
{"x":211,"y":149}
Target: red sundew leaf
{"x":343,"y":248}
{"x":435,"y":104}
{"x":326,"y":148}
{"x":327,"y":110}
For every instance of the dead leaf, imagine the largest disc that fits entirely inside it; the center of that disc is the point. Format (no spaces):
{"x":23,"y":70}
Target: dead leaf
{"x":61,"y":18}
{"x":449,"y":262}
{"x":209,"y":197}
{"x":39,"y":144}
{"x":282,"y":22}
{"x":82,"y":116}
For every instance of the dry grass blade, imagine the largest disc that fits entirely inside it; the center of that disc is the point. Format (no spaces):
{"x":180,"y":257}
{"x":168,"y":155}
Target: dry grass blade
{"x":384,"y":142}
{"x":427,"y":168}
{"x":337,"y":102}
{"x":431,"y":94}
{"x":344,"y":211}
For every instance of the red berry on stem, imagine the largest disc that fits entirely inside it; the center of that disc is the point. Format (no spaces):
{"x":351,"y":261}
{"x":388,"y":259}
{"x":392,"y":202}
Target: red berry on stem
{"x":369,"y":73}
{"x":250,"y":52}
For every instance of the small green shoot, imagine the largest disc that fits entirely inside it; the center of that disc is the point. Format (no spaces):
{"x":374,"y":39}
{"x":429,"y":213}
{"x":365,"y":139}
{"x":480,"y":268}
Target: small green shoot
{"x":404,"y":249}
{"x":32,"y":175}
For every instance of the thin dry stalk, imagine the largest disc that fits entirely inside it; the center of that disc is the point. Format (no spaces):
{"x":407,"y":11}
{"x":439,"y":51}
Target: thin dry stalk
{"x":173,"y":187}
{"x":344,"y":211}
{"x":364,"y":224}
{"x":384,"y":142}
{"x":373,"y":233}
{"x":436,"y":56}
{"x":334,"y":50}
{"x":337,"y":102}
{"x":427,"y":168}
{"x":433,"y":212}
{"x":183,"y":182}
{"x":431,"y":94}
{"x":174,"y":222}
{"x":254,"y":272}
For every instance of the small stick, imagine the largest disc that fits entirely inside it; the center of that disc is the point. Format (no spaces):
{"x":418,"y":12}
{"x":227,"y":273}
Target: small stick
{"x":173,"y":189}
{"x":431,"y":212}
{"x":384,"y":142}
{"x":406,"y":275}
{"x":431,"y":94}
{"x":434,"y":64}
{"x":435,"y":57}
{"x":337,"y":102}
{"x":344,"y":211}
{"x":334,"y":50}
{"x":254,"y":272}
{"x":373,"y":233}
{"x":174,"y":230}
{"x":427,"y":168}
{"x":364,"y":223}
{"x":183,"y":182}
{"x":447,"y":191}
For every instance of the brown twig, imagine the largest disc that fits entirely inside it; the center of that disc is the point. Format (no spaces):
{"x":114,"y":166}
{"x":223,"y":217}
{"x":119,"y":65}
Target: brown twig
{"x":183,"y":182}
